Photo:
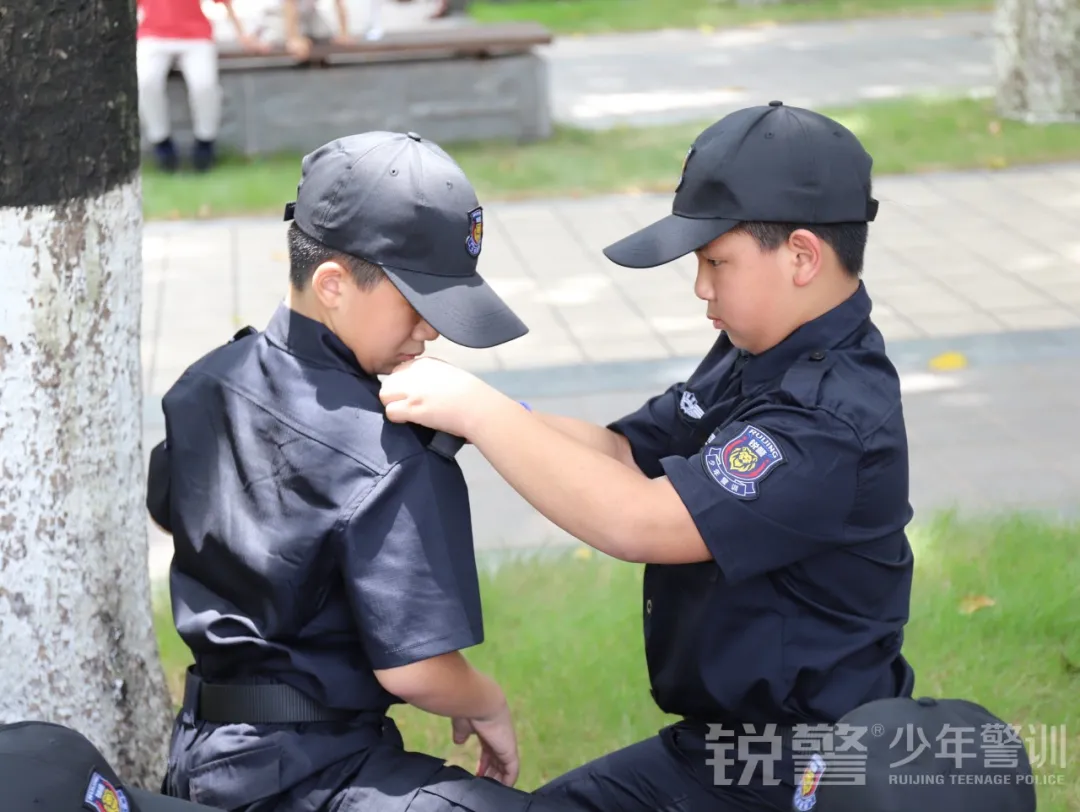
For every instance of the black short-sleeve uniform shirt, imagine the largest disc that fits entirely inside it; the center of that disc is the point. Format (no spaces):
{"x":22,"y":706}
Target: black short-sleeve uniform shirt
{"x":794,"y":466}
{"x":315,"y":541}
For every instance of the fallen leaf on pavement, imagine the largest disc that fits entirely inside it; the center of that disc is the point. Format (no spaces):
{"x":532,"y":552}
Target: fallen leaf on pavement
{"x":948,"y":361}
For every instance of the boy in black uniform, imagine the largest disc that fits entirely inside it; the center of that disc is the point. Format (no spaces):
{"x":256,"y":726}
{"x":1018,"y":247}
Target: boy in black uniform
{"x":767,"y":494}
{"x":323,"y":565}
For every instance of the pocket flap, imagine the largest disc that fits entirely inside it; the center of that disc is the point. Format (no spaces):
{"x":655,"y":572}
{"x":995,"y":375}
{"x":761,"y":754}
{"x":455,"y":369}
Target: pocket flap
{"x":238,"y":779}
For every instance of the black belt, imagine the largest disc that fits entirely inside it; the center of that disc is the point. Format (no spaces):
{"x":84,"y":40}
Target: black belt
{"x":270,"y":704}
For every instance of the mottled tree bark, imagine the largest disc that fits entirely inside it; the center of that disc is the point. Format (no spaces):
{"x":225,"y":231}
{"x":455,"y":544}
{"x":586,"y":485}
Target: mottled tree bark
{"x":1037,"y":58}
{"x":76,"y":636}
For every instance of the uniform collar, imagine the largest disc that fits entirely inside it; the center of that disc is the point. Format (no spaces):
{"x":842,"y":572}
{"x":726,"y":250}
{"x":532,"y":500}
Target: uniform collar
{"x":823,"y":333}
{"x":311,"y":341}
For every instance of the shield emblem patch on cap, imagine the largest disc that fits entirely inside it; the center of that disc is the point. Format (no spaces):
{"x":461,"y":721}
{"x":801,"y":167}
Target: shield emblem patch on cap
{"x":682,"y":172}
{"x":102,"y":796}
{"x":806,"y":792}
{"x":476,"y":232}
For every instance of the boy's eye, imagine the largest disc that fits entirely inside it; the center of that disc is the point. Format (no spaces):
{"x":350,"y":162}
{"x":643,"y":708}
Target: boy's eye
{"x":716,"y":263}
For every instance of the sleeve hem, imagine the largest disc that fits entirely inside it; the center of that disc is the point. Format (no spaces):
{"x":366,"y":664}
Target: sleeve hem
{"x":722,"y":554}
{"x":455,"y":641}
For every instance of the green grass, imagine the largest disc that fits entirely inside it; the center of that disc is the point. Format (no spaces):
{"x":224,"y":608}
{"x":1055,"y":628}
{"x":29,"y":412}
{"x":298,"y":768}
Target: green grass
{"x":904,"y":136}
{"x":564,"y":640}
{"x":601,"y":16}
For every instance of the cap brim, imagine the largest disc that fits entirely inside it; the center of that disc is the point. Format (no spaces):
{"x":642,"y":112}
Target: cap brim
{"x":666,"y":240}
{"x":463,"y":309}
{"x":153,"y":802}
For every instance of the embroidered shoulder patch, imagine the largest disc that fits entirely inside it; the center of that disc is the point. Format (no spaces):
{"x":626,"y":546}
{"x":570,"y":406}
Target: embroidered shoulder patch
{"x":743,"y":461}
{"x":102,"y":796}
{"x":806,"y":792}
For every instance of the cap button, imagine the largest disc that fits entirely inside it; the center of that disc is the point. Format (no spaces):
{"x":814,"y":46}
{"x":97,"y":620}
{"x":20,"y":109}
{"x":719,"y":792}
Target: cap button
{"x":926,"y":701}
{"x":776,"y":104}
{"x":413,"y":136}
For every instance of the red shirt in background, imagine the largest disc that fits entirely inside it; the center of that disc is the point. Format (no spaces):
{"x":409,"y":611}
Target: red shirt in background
{"x":174,"y":19}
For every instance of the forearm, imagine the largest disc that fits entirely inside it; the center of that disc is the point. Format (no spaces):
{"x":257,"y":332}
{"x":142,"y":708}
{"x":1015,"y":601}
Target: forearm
{"x":446,"y":685}
{"x":234,"y":18}
{"x":600,"y":438}
{"x":291,"y":18}
{"x":588,"y":493}
{"x":343,"y":17}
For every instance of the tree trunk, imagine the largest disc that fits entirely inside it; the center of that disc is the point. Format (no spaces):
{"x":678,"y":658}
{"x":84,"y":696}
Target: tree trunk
{"x":1037,"y":58}
{"x":76,"y":638}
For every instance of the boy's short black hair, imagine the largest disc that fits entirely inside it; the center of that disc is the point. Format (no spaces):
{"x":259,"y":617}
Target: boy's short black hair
{"x":848,"y":240}
{"x":306,"y":254}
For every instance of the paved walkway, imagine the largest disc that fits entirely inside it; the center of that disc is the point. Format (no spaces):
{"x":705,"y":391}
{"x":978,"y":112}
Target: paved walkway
{"x":950,"y":255}
{"x":669,"y":76}
{"x":987,"y":263}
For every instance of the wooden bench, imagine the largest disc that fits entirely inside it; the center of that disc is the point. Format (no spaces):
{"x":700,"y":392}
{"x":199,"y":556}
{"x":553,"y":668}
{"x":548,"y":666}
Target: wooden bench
{"x":456,"y":42}
{"x":448,"y":83}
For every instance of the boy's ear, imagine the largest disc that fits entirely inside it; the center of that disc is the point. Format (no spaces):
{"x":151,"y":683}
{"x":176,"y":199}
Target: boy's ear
{"x":328,"y":283}
{"x":806,"y":251}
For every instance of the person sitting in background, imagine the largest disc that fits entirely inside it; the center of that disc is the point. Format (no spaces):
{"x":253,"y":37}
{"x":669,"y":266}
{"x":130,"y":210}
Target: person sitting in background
{"x":179,"y":32}
{"x":297,"y":24}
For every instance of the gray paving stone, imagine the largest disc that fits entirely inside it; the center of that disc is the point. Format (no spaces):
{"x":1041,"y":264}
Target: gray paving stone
{"x":1038,"y":318}
{"x":941,"y":325}
{"x":536,"y":350}
{"x":477,"y":360}
{"x":688,"y":345}
{"x":622,"y":349}
{"x":997,"y":291}
{"x":1067,"y":294}
{"x":689,"y":75}
{"x":922,"y":300}
{"x":543,"y":257}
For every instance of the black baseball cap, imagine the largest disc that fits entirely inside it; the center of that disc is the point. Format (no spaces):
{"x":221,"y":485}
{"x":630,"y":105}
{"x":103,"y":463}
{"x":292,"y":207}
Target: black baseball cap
{"x":47,"y":767}
{"x":917,"y":755}
{"x":774,"y":164}
{"x":400,"y":202}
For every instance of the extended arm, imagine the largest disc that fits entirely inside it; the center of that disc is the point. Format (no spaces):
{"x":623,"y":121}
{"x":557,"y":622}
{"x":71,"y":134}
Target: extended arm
{"x":600,"y":438}
{"x":787,"y":479}
{"x":591,"y":489}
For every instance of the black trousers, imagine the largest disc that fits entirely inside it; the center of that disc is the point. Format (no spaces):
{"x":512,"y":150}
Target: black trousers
{"x":326,"y":767}
{"x":676,"y":771}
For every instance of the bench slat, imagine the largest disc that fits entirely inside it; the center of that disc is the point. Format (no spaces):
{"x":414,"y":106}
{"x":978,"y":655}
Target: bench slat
{"x":472,"y":40}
